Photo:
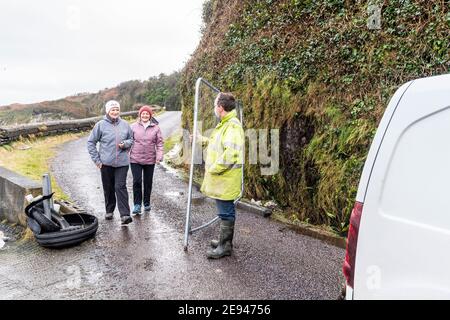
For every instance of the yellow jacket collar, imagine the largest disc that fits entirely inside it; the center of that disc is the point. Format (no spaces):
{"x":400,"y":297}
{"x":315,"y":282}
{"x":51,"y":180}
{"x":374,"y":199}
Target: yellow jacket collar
{"x":230,"y":115}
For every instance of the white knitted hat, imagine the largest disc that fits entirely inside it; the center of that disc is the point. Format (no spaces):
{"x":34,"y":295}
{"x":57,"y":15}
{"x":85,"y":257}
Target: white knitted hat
{"x":111,"y":104}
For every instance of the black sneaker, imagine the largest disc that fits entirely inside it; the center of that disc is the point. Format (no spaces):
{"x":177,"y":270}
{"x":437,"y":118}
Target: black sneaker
{"x":108,"y":215}
{"x":126,"y":219}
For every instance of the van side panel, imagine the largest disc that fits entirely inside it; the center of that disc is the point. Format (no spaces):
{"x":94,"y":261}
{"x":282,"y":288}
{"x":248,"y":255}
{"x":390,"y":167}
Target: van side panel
{"x":404,"y":236}
{"x":377,"y":140}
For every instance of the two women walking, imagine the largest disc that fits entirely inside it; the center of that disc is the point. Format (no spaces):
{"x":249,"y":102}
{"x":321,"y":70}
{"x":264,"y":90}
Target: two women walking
{"x":142,"y":143}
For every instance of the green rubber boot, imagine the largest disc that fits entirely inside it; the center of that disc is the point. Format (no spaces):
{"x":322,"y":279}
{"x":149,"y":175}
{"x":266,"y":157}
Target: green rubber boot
{"x":225,"y":243}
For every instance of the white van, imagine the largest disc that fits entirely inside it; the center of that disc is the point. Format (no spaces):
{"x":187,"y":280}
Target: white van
{"x":398,"y":245}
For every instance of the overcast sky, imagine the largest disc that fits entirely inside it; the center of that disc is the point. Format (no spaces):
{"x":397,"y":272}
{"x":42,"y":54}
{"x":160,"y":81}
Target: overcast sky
{"x":50,"y":49}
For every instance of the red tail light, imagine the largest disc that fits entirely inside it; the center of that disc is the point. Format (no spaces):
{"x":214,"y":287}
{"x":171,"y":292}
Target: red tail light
{"x":352,"y":241}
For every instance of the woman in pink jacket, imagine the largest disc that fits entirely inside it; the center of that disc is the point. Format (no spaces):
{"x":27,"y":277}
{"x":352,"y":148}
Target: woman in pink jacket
{"x":147,"y":150}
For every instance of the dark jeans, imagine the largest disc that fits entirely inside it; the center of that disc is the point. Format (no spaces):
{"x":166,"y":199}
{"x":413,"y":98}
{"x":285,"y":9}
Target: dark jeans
{"x":227,"y":210}
{"x":137,"y":170}
{"x":114,"y":182}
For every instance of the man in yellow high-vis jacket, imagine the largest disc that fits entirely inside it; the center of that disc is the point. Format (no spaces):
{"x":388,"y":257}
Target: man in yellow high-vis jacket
{"x":223,"y":171}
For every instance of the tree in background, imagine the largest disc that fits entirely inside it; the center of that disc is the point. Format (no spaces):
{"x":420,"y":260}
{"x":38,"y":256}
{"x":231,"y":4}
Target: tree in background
{"x":163,"y":90}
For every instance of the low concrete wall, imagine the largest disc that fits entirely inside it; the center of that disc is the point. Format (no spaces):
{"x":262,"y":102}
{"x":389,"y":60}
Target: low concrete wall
{"x":13,"y":189}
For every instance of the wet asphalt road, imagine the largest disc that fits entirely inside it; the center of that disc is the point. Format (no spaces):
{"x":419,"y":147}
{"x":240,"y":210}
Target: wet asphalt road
{"x":146,"y":260}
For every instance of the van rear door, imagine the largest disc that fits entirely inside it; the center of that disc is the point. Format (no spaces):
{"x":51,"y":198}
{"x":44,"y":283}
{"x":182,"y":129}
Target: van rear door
{"x":404,"y":234}
{"x":355,"y":219}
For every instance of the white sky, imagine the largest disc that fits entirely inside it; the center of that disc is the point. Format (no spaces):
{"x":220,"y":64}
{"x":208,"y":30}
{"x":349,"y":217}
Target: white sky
{"x":50,"y":49}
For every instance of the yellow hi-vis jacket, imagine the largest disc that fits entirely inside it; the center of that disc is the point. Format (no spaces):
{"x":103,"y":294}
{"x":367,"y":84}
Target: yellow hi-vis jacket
{"x":224,"y":160}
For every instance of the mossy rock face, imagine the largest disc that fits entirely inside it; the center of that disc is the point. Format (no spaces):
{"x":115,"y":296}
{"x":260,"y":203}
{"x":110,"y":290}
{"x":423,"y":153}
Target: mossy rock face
{"x":318,"y":73}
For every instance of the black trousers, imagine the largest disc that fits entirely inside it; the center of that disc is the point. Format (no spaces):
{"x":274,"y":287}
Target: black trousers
{"x":114,"y":182}
{"x":137,"y":170}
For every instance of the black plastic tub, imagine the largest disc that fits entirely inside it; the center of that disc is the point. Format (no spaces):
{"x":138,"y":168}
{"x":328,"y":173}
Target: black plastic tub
{"x":85,"y":227}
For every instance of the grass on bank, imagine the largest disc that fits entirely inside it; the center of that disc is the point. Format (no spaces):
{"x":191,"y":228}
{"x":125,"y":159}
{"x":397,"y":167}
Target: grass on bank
{"x":31,"y":157}
{"x":172,"y":140}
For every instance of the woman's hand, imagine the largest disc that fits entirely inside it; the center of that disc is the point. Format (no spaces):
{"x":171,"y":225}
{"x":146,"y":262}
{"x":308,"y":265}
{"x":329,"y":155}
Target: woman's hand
{"x":99,"y":165}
